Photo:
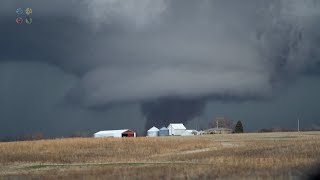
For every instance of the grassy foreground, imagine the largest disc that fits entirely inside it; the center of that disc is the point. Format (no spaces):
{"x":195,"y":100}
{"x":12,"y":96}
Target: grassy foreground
{"x":232,"y":156}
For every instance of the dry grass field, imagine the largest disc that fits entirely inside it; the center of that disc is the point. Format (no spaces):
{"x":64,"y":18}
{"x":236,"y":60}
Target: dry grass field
{"x":231,"y":156}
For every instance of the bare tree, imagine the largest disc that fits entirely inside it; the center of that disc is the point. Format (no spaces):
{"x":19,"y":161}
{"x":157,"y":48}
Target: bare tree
{"x":222,"y":122}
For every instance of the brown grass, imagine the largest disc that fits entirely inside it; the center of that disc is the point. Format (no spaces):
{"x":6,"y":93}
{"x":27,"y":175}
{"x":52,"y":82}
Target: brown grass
{"x":265,"y":155}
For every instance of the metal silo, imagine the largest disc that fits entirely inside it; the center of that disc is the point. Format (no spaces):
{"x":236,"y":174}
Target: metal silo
{"x":164,"y":131}
{"x":153,"y":132}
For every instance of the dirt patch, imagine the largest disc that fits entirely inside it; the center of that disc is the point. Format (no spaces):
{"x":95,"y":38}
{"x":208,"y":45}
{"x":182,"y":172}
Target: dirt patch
{"x":194,"y":151}
{"x":229,"y":144}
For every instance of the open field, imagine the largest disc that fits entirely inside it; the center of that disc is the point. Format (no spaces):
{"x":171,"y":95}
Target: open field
{"x":242,"y":156}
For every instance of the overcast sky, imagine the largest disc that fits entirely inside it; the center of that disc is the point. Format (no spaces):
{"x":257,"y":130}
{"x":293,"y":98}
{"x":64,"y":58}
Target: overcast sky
{"x":88,"y":65}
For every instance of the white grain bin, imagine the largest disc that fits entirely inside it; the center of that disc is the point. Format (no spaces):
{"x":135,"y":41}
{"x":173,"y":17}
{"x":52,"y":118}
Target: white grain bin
{"x":164,"y":131}
{"x":153,"y":132}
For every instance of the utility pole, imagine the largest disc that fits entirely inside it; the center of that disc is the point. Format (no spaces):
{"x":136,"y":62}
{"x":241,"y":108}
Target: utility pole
{"x":298,"y":125}
{"x":196,"y":121}
{"x":217,"y":123}
{"x":198,"y":126}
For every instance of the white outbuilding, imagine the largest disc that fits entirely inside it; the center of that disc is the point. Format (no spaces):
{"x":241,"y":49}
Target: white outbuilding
{"x":176,"y":129}
{"x":116,"y":133}
{"x":153,"y":132}
{"x":190,"y":132}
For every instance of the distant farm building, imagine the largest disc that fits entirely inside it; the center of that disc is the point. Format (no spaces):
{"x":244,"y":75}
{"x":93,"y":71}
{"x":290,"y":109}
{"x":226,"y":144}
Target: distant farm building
{"x":218,"y":131}
{"x":176,"y":129}
{"x":189,"y":133}
{"x":116,"y":133}
{"x":153,"y":132}
{"x":164,"y":131}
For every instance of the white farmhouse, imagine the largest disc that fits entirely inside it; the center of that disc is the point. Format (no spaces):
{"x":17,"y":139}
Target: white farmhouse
{"x":176,"y":129}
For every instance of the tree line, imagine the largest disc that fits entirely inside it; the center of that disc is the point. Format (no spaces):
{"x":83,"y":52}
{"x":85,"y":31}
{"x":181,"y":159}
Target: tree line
{"x":222,"y":122}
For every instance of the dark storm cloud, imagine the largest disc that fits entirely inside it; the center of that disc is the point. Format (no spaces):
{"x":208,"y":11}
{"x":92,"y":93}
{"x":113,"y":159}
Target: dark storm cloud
{"x":164,"y":111}
{"x":133,"y":51}
{"x":171,"y":51}
{"x":32,"y":100}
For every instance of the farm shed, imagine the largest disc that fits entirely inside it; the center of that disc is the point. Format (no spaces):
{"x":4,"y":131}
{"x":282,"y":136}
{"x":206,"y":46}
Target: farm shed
{"x":116,"y":133}
{"x":164,"y":131}
{"x":176,"y":129}
{"x":218,"y":131}
{"x":153,"y":132}
{"x":190,"y":133}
